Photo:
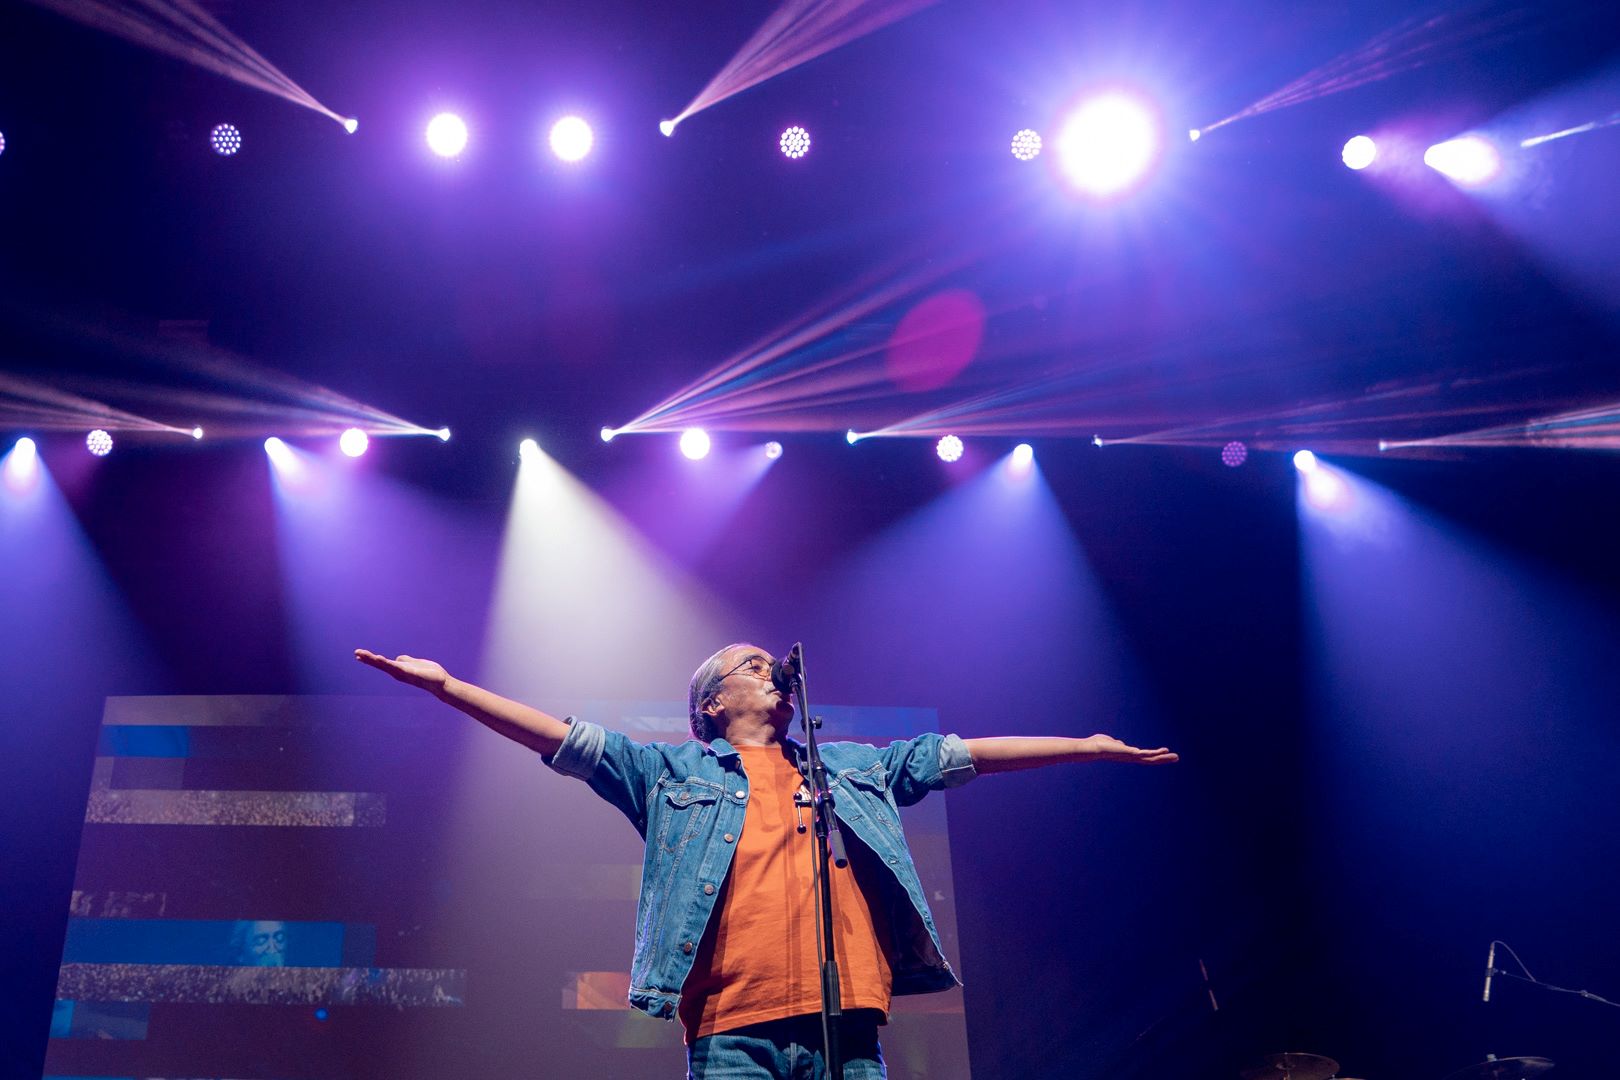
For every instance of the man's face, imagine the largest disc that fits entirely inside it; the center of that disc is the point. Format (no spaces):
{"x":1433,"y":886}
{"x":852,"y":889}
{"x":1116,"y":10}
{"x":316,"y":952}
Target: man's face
{"x":265,"y":944}
{"x":747,"y":691}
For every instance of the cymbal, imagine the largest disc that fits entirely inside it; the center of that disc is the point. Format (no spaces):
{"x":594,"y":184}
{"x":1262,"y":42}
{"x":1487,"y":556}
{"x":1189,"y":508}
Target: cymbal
{"x":1292,"y":1067}
{"x":1513,"y":1068}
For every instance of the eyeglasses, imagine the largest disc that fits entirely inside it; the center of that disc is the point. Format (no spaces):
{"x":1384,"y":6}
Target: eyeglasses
{"x":757,"y":666}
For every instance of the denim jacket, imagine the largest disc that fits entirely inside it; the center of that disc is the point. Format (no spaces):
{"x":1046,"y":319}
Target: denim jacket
{"x":688,"y":801}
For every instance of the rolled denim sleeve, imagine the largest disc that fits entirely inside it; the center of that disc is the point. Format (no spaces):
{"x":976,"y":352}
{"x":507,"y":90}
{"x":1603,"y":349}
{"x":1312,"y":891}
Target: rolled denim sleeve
{"x":926,"y":763}
{"x":616,"y":767}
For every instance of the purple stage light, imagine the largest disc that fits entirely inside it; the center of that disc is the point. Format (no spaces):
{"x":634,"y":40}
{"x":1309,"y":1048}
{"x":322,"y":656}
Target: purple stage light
{"x":695,"y":443}
{"x":99,"y":443}
{"x":447,"y":135}
{"x":1026,"y":145}
{"x":1305,"y":461}
{"x":571,"y":138}
{"x":225,"y":139}
{"x":2,"y":142}
{"x":353,"y":442}
{"x":773,"y":450}
{"x":1023,"y":456}
{"x":1469,"y":160}
{"x":795,"y":142}
{"x":949,"y":449}
{"x":1108,"y":144}
{"x":1234,"y":454}
{"x":1359,"y":152}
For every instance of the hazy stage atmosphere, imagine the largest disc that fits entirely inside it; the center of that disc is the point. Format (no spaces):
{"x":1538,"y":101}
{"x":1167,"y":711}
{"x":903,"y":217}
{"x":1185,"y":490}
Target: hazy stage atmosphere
{"x":1238,"y":379}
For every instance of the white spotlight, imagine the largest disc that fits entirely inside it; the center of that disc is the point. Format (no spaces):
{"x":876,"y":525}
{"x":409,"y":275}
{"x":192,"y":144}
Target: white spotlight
{"x":695,"y":443}
{"x":1108,"y":144}
{"x":1193,"y":135}
{"x":1305,"y":461}
{"x":225,"y":139}
{"x":1023,"y":456}
{"x":949,"y":449}
{"x":22,"y":465}
{"x":281,"y":455}
{"x":571,"y":138}
{"x":353,"y":442}
{"x":99,"y":443}
{"x":666,"y":128}
{"x":607,"y":434}
{"x":773,"y":450}
{"x":1359,"y":152}
{"x":351,"y":125}
{"x":196,"y":433}
{"x":1469,"y":161}
{"x":443,"y":434}
{"x":795,"y":142}
{"x":447,"y":135}
{"x":1026,"y":145}
{"x":851,"y":437}
{"x":2,"y":142}
{"x":528,"y":450}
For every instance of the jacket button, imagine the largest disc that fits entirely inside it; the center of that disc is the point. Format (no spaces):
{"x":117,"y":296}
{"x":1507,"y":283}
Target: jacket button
{"x":708,"y":890}
{"x":742,"y":794}
{"x":729,"y":838}
{"x":687,"y":947}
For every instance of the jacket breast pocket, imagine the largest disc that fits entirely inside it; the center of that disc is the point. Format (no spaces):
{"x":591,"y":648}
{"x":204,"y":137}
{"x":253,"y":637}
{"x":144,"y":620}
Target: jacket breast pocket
{"x":684,"y":809}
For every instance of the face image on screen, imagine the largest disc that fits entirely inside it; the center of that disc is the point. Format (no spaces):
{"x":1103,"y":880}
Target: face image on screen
{"x":280,"y":887}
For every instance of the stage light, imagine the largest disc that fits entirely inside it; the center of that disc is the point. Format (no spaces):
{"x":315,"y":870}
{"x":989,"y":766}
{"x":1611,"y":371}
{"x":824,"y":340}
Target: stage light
{"x":1108,"y":144}
{"x":949,"y":448}
{"x":225,"y":139}
{"x":666,"y":128}
{"x":196,"y":433}
{"x":1026,"y":145}
{"x":353,"y":442}
{"x":1469,"y":160}
{"x":98,"y":442}
{"x":851,"y":437}
{"x":607,"y":434}
{"x":773,"y":450}
{"x":1097,"y":441}
{"x":1305,"y":461}
{"x":2,"y":142}
{"x":795,"y":142}
{"x":571,"y":138}
{"x":1234,"y":454}
{"x":1359,"y":152}
{"x":1023,"y":456}
{"x":281,"y":455}
{"x":443,"y":434}
{"x":695,"y":443}
{"x":1324,"y":489}
{"x":351,"y":125}
{"x":447,"y":135}
{"x":1194,"y":135}
{"x":24,"y":455}
{"x":528,"y":450}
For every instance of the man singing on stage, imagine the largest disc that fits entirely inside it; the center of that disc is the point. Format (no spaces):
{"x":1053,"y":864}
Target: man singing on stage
{"x":726,"y":924}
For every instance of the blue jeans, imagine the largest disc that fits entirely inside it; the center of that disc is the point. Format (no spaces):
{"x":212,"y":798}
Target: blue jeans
{"x":787,"y":1050}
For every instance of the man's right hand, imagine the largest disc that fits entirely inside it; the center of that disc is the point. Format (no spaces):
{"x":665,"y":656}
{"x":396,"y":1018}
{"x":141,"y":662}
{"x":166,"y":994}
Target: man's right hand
{"x":413,"y":671}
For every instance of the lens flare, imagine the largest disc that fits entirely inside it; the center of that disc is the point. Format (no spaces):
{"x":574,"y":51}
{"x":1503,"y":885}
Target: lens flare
{"x":447,"y":135}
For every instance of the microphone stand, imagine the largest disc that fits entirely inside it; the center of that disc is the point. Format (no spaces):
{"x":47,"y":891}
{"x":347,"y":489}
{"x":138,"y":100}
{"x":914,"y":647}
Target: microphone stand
{"x":829,"y":844}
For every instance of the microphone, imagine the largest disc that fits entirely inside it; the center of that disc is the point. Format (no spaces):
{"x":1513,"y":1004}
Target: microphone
{"x":1490,"y":969}
{"x":785,"y":669}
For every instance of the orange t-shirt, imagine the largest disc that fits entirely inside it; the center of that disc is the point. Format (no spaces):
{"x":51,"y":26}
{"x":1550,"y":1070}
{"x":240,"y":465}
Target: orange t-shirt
{"x":757,"y":961}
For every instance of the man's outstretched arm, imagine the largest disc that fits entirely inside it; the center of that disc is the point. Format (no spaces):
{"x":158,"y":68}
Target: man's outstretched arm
{"x":517,"y":721}
{"x":1014,"y":752}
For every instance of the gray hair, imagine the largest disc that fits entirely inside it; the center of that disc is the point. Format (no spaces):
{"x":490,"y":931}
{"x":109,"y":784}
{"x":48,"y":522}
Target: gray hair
{"x":705,"y":684}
